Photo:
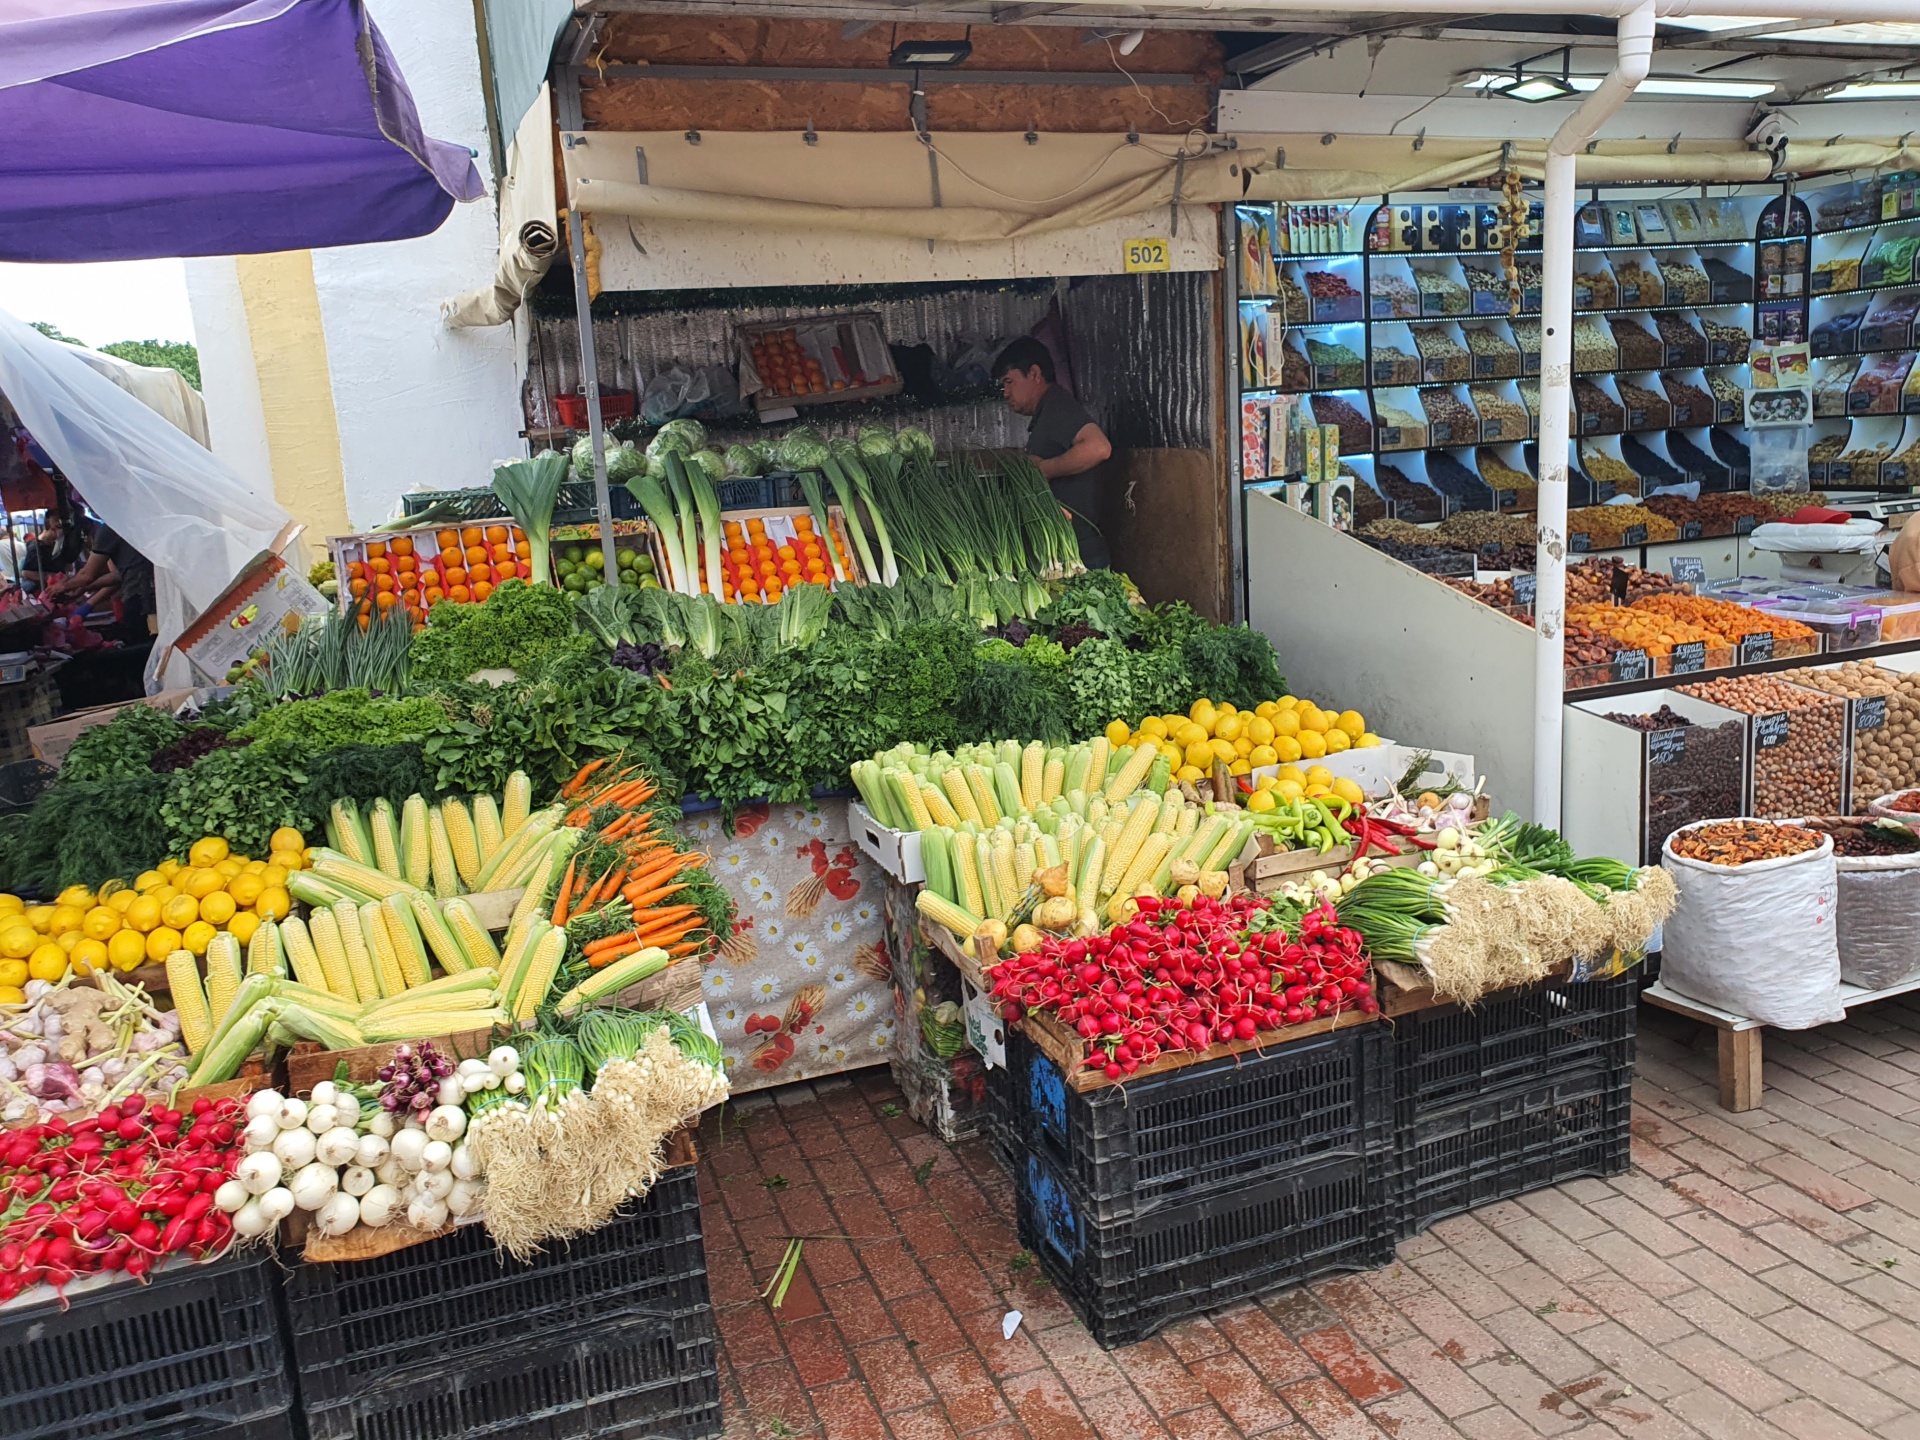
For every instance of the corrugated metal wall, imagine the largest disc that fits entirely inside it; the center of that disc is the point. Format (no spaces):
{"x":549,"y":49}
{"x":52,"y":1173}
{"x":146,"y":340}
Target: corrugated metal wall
{"x":1142,"y":350}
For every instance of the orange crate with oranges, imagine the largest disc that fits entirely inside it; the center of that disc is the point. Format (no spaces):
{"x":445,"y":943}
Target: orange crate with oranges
{"x":766,"y":552}
{"x":416,"y":568}
{"x":813,"y":362}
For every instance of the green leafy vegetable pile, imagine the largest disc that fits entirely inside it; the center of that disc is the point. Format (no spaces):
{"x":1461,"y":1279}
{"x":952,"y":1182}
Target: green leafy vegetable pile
{"x":516,"y":628}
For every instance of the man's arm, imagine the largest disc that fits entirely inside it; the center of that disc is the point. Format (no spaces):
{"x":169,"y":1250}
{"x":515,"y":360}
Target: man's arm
{"x":81,"y":579}
{"x":1090,"y":447}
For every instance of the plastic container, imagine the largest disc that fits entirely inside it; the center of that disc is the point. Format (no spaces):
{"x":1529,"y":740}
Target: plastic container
{"x":629,"y":1377}
{"x":1899,"y":613}
{"x":1510,"y":1141}
{"x":1451,"y":1054}
{"x":453,"y":1302}
{"x":1128,"y":1279}
{"x":198,"y":1354}
{"x":1134,"y":1149}
{"x":1841,"y":624}
{"x":572,"y":409}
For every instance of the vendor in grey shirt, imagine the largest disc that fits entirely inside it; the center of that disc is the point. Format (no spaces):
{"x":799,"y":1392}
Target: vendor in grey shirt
{"x":1062,"y":437}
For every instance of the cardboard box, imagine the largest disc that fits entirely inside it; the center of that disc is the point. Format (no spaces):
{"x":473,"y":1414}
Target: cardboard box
{"x":51,"y":742}
{"x":260,"y":599}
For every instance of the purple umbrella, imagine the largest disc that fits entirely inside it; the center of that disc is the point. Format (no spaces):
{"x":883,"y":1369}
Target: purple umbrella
{"x":142,"y":128}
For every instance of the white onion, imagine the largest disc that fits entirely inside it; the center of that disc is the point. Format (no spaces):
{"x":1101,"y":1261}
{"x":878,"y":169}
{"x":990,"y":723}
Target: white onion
{"x":292,"y":1114}
{"x":294,"y":1148}
{"x":322,"y":1118}
{"x":388,"y":1172}
{"x":230,"y":1197}
{"x":465,"y":1197}
{"x":378,"y":1204}
{"x":357,"y":1180}
{"x":248,"y":1221}
{"x":325,"y":1093}
{"x":447,"y":1123}
{"x":426,"y":1214}
{"x":452,"y":1091}
{"x":463,"y":1165}
{"x":261,"y":1132}
{"x":259,"y":1172}
{"x":277,"y":1203}
{"x":338,"y":1215}
{"x":370,"y":1151}
{"x":433,"y":1184}
{"x":337,"y":1147}
{"x":263,"y":1102}
{"x":407,"y":1148}
{"x":437,"y":1156}
{"x":381,"y":1125}
{"x":346,"y":1110}
{"x":314,"y":1186}
{"x":504,"y":1061}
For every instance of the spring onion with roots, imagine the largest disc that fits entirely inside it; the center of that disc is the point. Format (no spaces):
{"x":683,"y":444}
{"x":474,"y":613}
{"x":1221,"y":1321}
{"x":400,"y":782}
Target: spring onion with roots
{"x":653,"y":499}
{"x":529,"y":488}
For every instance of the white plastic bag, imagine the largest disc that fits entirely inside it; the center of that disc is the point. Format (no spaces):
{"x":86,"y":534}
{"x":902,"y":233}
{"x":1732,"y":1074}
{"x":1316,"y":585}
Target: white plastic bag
{"x":1759,"y":940}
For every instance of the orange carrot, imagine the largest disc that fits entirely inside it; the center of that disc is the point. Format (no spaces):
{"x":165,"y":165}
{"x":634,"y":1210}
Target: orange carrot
{"x":566,"y":892}
{"x":686,"y":948}
{"x":655,"y":896}
{"x":607,"y":957}
{"x":575,"y":785}
{"x":671,"y":917}
{"x":608,"y":942}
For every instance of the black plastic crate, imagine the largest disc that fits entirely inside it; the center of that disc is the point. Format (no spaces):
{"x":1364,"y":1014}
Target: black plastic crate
{"x":760,"y":492}
{"x":197,"y":1354}
{"x":641,"y":1377}
{"x":21,"y":784}
{"x":1508,"y":1143}
{"x":1130,"y":1149}
{"x":1536,"y":1033}
{"x":1128,"y":1279}
{"x":454,"y":1300}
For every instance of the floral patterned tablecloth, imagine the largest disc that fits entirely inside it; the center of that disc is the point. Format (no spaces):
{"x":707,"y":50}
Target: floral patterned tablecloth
{"x":802,"y":987}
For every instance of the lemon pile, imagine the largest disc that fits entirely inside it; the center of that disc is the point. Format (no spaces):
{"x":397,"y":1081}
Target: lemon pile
{"x":1274,"y":732}
{"x":1290,"y":783}
{"x":180,"y":905}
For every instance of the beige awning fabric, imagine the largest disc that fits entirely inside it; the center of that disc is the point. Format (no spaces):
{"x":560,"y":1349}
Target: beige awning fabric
{"x":528,"y":232}
{"x":988,"y":186}
{"x":1851,"y":152}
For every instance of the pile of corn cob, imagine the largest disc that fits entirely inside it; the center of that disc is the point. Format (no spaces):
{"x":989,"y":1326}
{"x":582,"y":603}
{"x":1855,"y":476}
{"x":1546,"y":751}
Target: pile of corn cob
{"x":1098,"y":851}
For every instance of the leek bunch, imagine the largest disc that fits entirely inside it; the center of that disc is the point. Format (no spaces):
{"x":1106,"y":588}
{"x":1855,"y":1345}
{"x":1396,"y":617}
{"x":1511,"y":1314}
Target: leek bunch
{"x":529,"y":489}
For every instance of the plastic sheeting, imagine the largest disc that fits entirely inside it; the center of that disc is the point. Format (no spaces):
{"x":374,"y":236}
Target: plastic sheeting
{"x":163,"y":390}
{"x":197,"y":521}
{"x":529,"y":233}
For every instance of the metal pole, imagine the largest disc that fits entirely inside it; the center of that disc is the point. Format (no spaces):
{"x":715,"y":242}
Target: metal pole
{"x":567,"y":90}
{"x":1635,"y":40}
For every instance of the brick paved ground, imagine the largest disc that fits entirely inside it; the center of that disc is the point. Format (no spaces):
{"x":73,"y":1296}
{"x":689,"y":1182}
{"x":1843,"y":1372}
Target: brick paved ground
{"x":1754,"y":1276}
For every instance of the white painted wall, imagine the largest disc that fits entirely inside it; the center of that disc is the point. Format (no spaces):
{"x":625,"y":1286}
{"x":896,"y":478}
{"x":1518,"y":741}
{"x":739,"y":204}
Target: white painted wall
{"x":419,"y":404}
{"x":228,"y":382}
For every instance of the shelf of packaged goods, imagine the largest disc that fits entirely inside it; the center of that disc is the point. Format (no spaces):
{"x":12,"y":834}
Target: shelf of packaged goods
{"x":1856,"y":229}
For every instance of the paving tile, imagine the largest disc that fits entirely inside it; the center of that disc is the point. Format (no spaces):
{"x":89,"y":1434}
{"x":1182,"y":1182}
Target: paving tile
{"x":1437,"y":1377}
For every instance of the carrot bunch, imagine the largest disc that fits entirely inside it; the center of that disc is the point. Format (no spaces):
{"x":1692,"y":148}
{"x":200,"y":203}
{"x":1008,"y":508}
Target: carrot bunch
{"x":629,"y":858}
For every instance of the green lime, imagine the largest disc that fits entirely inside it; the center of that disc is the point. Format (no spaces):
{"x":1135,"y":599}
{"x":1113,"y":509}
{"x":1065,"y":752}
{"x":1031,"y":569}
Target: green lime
{"x":576,"y":582}
{"x":643,"y":564}
{"x":624,"y":559}
{"x":595,"y":560}
{"x":649,"y":583}
{"x":573,"y":553}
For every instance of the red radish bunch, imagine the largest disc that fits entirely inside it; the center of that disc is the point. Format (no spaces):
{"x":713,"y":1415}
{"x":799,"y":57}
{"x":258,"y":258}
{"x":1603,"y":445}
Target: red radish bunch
{"x":116,"y":1191}
{"x":1187,"y":977}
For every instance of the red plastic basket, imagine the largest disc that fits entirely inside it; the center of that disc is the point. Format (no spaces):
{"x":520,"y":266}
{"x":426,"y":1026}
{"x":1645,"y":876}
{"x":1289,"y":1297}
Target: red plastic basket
{"x":614,"y":405}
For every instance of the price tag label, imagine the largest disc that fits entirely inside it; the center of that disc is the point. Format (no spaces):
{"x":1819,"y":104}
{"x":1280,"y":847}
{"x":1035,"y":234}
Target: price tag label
{"x":1507,"y":499}
{"x":1634,"y":535}
{"x":1666,"y":747}
{"x":1527,"y":585}
{"x":1690,"y":657}
{"x":1770,"y":731}
{"x":1630,"y":665}
{"x":1870,"y":713}
{"x":1580,"y":543}
{"x":1756,"y":647}
{"x":1140,"y":255}
{"x":1689,"y":569}
{"x":1689,"y":530}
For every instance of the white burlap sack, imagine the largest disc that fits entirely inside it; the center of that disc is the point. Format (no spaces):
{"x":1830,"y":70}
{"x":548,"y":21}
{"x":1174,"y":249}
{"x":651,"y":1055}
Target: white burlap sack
{"x":1758,"y":940}
{"x":1878,"y":919}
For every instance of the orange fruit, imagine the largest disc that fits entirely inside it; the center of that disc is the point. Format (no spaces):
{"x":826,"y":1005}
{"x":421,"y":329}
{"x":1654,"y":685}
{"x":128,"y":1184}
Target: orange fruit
{"x":481,"y":589}
{"x":479,"y":574}
{"x":380,"y":567}
{"x":456,"y":575}
{"x":356,"y":588}
{"x":434,"y":595}
{"x":356,"y":567}
{"x":401,"y":545}
{"x":447,"y":539}
{"x":459,"y":594}
{"x":496,"y":534}
{"x":519,"y":537}
{"x":406,"y":564}
{"x":366,"y":620}
{"x":388,"y":600}
{"x":472,"y":535}
{"x":411,"y":599}
{"x":376,"y":548}
{"x":383,"y":584}
{"x":499,"y":552}
{"x":506,"y":570}
{"x":476,"y":554}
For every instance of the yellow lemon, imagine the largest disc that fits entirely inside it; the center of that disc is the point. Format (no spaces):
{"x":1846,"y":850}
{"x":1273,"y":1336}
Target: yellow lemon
{"x":110,"y":887}
{"x":1243,"y":747}
{"x":1227,"y":727}
{"x":1287,"y":702}
{"x":1152,"y":725}
{"x":210,"y":851}
{"x":147,"y":879}
{"x":121,"y":899}
{"x":143,"y":914}
{"x":1351,"y":722}
{"x":242,"y":926}
{"x":229,"y":867}
{"x":1263,"y":755}
{"x":78,"y":896}
{"x":273,"y":904}
{"x":160,"y":894}
{"x":65,"y":917}
{"x":1314,"y":718}
{"x":1290,"y":789}
{"x":11,"y":904}
{"x":245,"y":889}
{"x":1238,"y":767}
{"x":13,"y":972}
{"x":48,"y":962}
{"x":1260,"y":801}
{"x":1312,"y":744}
{"x":287,"y":838}
{"x":202,"y":883}
{"x":38,"y":916}
{"x":180,"y":912}
{"x":1286,"y":747}
{"x":1199,"y":754}
{"x":1189,"y":773}
{"x":1223,"y":749}
{"x":1170,"y":752}
{"x":101,"y":922}
{"x":1319,"y":792}
{"x":1368,"y":741}
{"x":1266,"y":709}
{"x":68,"y":939}
{"x":1117,"y":733}
{"x":89,"y":956}
{"x":1290,"y":772}
{"x":169,"y":868}
{"x":218,"y":908}
{"x":1319,"y":775}
{"x":1266,"y":782}
{"x":1202,"y":706}
{"x":1227,"y":707}
{"x":1337,"y":740}
{"x":253,"y":867}
{"x":1189,"y":734}
{"x":1174,"y":722}
{"x":196,"y":937}
{"x":161,"y":943}
{"x":274,"y":877}
{"x":126,"y":950}
{"x":1260,"y":730}
{"x":292,"y":860}
{"x":1349,"y":790}
{"x":1286,"y":724}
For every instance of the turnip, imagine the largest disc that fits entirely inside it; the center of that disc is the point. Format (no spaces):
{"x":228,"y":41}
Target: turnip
{"x":259,"y":1172}
{"x":378,"y":1205}
{"x":339,"y":1215}
{"x":294,"y":1148}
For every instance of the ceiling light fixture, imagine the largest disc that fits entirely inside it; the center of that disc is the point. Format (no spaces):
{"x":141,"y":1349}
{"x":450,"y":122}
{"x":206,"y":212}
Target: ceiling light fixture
{"x":1877,"y":90}
{"x":929,"y":54}
{"x":1517,"y":86}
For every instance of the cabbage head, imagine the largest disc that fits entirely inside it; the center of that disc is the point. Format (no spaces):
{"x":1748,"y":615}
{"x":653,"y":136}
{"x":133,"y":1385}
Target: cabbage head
{"x":695,"y":432}
{"x":625,"y":463}
{"x":875,"y":441}
{"x":713,"y":461}
{"x":912,"y":442}
{"x":744,"y":460}
{"x":801,"y":448}
{"x":583,"y":457}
